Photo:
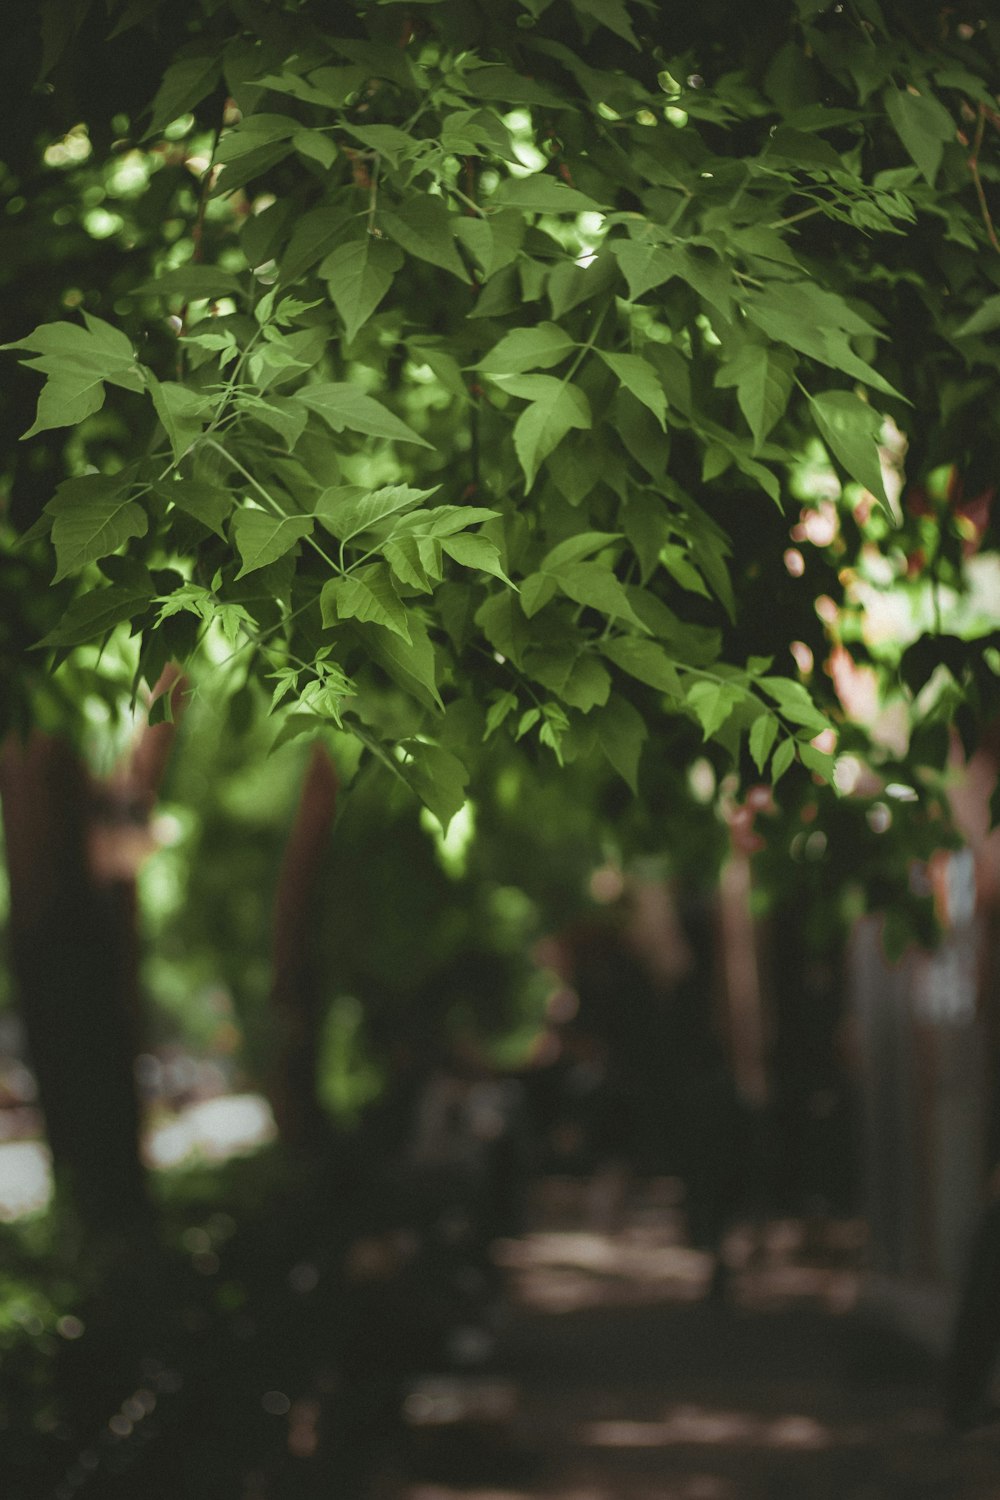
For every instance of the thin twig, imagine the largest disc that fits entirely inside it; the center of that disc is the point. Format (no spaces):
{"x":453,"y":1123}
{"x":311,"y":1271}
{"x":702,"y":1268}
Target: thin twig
{"x":272,"y":503}
{"x":973,"y":164}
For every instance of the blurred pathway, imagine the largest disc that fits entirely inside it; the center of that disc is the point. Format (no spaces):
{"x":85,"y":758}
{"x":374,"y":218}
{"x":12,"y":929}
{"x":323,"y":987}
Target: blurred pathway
{"x":616,"y":1380}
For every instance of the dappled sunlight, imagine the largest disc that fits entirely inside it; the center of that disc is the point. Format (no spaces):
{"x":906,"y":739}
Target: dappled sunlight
{"x":562,"y":1271}
{"x":25,"y":1179}
{"x":210,"y":1131}
{"x":213,"y":1130}
{"x":701,"y":1425}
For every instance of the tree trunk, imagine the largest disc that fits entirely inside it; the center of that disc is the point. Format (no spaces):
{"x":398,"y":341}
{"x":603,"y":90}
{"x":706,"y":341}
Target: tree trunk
{"x":73,"y":849}
{"x":296,"y":993}
{"x":73,"y":953}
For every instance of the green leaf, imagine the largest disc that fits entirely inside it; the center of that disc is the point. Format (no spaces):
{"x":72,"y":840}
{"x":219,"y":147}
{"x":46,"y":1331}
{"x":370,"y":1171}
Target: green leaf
{"x":502,"y":621}
{"x":783,"y":757}
{"x":425,"y":228}
{"x":639,"y":434}
{"x":500,"y":709}
{"x":359,"y":274}
{"x":280,"y":413}
{"x":476,"y":552}
{"x":494,"y":241}
{"x":712,"y":703}
{"x":411,"y":664}
{"x":644,"y":660}
{"x":93,"y":518}
{"x":678,"y":564}
{"x":342,"y":405}
{"x":543,"y":194}
{"x":438,"y":778}
{"x":610,"y":13}
{"x":817,"y":323}
{"x":443,"y":365}
{"x":476,"y":132}
{"x":347,"y":510}
{"x":537,"y":589}
{"x":315,"y":234}
{"x":93,"y":614}
{"x":495,"y":81}
{"x":794,"y":702}
{"x":445,"y":520}
{"x":77,"y":362}
{"x":415,"y":560}
{"x":985,"y":319}
{"x":763,"y":380}
{"x":185,"y":84}
{"x":208,"y":503}
{"x":388,"y":140}
{"x":923,"y":125}
{"x":194,"y":283}
{"x":638,"y":376}
{"x":643,"y":265}
{"x":570,"y":284}
{"x":576,"y":548}
{"x":559,"y":408}
{"x":648,"y":527}
{"x":763,"y":733}
{"x":850,"y":429}
{"x":253,"y":132}
{"x":249,"y":166}
{"x":588,"y":685}
{"x":522,"y":349}
{"x":262,"y":538}
{"x":819,"y":761}
{"x":183,"y":412}
{"x":592,"y":584}
{"x":368,"y":594}
{"x":316,"y":146}
{"x":620,"y":733}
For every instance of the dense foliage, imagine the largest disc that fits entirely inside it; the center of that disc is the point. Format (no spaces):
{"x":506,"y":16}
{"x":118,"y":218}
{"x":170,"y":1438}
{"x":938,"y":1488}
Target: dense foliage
{"x":486,"y":342}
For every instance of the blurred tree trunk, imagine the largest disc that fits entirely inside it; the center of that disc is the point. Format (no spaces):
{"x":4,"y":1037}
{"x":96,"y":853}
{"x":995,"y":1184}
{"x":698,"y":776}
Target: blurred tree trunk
{"x":297,"y":986}
{"x":73,"y":849}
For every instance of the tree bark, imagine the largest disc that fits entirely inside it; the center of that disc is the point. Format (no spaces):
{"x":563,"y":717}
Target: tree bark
{"x":296,"y":992}
{"x":73,"y":849}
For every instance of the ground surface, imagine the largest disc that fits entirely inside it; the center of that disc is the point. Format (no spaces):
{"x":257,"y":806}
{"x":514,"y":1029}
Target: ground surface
{"x":616,"y":1378}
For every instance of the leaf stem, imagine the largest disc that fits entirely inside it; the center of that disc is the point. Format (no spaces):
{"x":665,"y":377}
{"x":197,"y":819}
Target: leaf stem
{"x":470,"y":203}
{"x":275,"y":507}
{"x":973,"y":165}
{"x":805,"y":213}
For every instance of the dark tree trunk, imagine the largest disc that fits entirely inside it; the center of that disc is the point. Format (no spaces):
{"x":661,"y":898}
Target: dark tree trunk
{"x":73,"y":849}
{"x":296,"y":993}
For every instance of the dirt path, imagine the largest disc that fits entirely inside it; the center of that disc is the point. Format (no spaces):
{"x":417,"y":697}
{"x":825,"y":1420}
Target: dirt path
{"x":616,"y":1379}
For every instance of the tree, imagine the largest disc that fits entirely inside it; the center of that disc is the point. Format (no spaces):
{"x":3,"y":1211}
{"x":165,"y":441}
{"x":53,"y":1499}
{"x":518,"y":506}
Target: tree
{"x":460,"y":392}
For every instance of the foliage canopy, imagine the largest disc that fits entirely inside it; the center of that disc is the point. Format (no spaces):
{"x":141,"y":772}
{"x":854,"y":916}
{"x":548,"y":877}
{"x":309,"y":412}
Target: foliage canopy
{"x":460,"y":401}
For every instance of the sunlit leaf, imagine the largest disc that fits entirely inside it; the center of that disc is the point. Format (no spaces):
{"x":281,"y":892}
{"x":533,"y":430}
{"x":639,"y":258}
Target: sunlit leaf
{"x":923,"y":125}
{"x":424,"y":227}
{"x":542,"y":426}
{"x":438,"y":778}
{"x":851,"y":430}
{"x":92,"y":615}
{"x":345,"y":406}
{"x":368,"y":595}
{"x":639,"y":376}
{"x":528,"y":349}
{"x":359,"y":273}
{"x":262,"y":538}
{"x":94,"y":515}
{"x":763,"y":733}
{"x":348,"y":510}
